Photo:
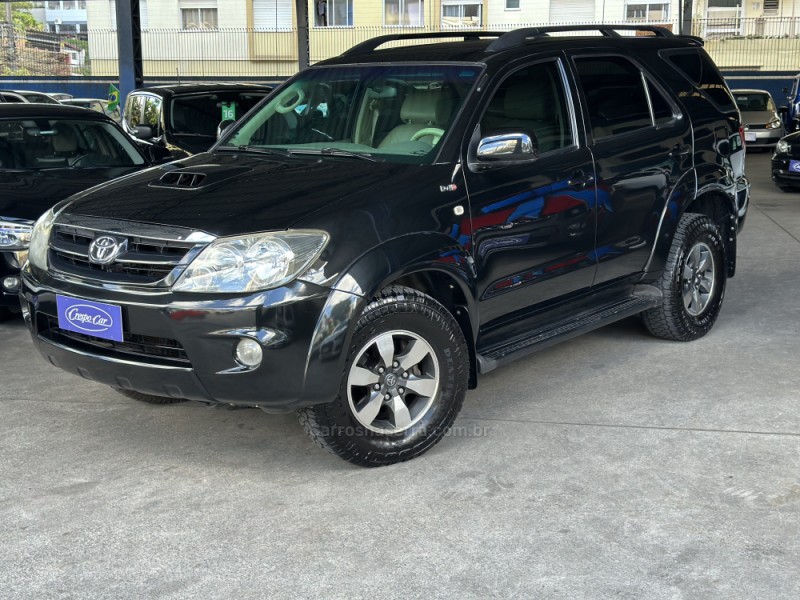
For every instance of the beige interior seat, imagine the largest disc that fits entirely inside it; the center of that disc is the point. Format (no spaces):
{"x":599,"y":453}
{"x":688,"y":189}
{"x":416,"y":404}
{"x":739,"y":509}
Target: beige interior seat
{"x":421,"y":109}
{"x":528,"y":107}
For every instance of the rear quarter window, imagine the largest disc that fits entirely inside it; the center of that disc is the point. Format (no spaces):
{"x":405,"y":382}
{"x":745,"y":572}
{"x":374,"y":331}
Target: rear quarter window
{"x":698,"y":68}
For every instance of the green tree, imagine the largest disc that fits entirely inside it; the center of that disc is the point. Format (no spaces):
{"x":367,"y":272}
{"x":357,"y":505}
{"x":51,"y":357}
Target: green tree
{"x":21,"y":16}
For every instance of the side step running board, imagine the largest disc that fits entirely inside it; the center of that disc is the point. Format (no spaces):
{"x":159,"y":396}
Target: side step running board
{"x":491,"y":358}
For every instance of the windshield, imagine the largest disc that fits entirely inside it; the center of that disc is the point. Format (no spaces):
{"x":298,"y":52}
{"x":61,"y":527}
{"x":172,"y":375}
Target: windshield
{"x":754,"y":102}
{"x":64,"y":143}
{"x":395,"y":113}
{"x":201,"y":114}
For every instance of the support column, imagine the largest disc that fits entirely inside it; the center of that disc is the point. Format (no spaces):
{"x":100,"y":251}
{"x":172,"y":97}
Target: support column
{"x":686,"y":17}
{"x":129,"y":43}
{"x":303,"y":44}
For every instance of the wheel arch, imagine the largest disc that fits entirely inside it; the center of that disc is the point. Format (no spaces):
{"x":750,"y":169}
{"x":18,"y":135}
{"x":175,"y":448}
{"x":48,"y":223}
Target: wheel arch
{"x":716,"y":203}
{"x":434,"y":264}
{"x":720,"y":207}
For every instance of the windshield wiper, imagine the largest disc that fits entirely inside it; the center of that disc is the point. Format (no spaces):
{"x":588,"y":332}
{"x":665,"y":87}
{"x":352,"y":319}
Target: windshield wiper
{"x":256,"y":150}
{"x":334,"y":152}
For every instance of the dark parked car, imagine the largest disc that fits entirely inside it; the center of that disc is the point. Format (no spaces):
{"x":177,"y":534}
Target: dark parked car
{"x":786,"y":163}
{"x":48,"y":153}
{"x":24,"y":96}
{"x":792,"y":108}
{"x":181,"y":120}
{"x":388,"y":226}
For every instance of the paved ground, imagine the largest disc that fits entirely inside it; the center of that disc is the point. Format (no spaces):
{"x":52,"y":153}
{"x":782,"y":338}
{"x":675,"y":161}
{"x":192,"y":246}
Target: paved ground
{"x":613,"y":465}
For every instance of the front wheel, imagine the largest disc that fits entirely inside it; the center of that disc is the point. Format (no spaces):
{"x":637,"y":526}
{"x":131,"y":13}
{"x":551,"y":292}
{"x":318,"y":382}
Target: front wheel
{"x":404,"y":381}
{"x":693,"y":282}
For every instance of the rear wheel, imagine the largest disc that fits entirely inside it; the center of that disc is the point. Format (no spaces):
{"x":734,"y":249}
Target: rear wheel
{"x":693,"y":282}
{"x":147,"y":397}
{"x":404,"y":382}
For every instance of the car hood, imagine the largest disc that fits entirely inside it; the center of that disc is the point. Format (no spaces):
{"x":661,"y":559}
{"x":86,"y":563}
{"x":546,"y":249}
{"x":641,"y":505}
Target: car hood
{"x":27,"y":194}
{"x":758,"y":117}
{"x":236,"y":193}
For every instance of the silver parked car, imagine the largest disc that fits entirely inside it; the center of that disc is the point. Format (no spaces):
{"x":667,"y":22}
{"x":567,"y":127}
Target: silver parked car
{"x":762,"y":124}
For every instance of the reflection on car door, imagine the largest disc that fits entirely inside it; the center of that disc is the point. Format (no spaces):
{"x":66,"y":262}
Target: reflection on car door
{"x":641,"y":145}
{"x":533,"y":224}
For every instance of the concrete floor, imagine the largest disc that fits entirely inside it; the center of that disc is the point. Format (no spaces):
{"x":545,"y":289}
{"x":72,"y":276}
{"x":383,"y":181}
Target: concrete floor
{"x":614,"y":465}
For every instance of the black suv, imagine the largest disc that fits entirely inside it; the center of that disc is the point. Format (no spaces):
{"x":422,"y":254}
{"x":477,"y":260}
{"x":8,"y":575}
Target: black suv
{"x":391,"y":223}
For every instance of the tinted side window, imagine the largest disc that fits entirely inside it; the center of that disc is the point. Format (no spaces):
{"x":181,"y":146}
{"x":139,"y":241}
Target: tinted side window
{"x":615,"y":95}
{"x":133,"y":110}
{"x":698,"y":68}
{"x":531,"y":101}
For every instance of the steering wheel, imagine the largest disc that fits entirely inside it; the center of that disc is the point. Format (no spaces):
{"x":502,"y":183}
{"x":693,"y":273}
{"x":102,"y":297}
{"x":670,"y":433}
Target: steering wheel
{"x":434,"y":132}
{"x":284,"y":107}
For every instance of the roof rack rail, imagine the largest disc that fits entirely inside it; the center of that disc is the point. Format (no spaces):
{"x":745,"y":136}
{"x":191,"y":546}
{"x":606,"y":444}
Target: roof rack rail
{"x":518,"y":37}
{"x":373,"y":43}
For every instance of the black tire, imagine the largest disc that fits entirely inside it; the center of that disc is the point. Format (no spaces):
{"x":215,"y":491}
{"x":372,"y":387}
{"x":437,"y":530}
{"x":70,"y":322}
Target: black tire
{"x":6,"y":314}
{"x":415,"y":324}
{"x":147,"y":397}
{"x":788,"y":189}
{"x":673,"y":319}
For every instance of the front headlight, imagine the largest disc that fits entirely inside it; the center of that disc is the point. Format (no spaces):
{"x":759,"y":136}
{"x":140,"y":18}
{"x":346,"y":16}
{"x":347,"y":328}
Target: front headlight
{"x":250,"y":263}
{"x":40,"y":238}
{"x":774,"y":124}
{"x":782,"y":147}
{"x":15,"y":234}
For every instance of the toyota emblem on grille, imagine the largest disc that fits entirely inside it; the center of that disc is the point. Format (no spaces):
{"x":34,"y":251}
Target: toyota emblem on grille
{"x":105,"y":249}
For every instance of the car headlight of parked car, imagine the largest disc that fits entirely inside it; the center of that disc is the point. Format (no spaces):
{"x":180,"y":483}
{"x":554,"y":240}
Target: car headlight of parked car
{"x":774,"y":124}
{"x":39,"y":240}
{"x":15,"y":234}
{"x":252,"y":262}
{"x":782,"y":147}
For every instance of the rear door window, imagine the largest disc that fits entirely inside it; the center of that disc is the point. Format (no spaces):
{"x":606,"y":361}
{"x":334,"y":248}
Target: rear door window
{"x":615,"y":93}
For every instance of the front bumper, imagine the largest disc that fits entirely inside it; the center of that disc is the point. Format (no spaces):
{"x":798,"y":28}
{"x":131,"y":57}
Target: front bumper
{"x":781,"y":174}
{"x":182,"y":345}
{"x":9,"y":269}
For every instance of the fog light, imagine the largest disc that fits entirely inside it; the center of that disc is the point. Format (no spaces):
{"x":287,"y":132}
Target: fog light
{"x":249,"y":353}
{"x":11,"y":284}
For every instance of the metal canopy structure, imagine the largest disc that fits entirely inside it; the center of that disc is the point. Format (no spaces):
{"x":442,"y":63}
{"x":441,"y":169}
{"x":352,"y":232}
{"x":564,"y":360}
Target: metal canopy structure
{"x":129,"y":40}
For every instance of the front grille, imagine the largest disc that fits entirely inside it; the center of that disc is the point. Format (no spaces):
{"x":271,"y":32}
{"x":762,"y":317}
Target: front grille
{"x":145,"y":261}
{"x":139,"y":348}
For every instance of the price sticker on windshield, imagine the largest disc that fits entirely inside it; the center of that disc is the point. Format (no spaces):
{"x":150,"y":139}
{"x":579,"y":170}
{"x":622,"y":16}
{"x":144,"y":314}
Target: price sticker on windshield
{"x":229,"y":111}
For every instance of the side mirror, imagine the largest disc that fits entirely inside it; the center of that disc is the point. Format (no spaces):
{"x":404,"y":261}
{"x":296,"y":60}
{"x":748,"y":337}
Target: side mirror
{"x":223,"y":126}
{"x":143,"y":132}
{"x":504,"y":150}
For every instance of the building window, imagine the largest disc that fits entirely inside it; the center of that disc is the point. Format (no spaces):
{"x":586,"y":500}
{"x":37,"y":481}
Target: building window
{"x":404,"y":13}
{"x":333,"y":13}
{"x":461,"y":13}
{"x":771,"y":7}
{"x":512,"y":4}
{"x":647,"y":11}
{"x":272,"y":15}
{"x":199,"y":18}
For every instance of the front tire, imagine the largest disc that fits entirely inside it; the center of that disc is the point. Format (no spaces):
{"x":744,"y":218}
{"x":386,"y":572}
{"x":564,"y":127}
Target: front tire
{"x":693,"y":282}
{"x":149,"y":399}
{"x":404,"y":382}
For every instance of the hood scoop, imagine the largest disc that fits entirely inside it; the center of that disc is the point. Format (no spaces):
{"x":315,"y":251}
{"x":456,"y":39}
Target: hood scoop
{"x":182,"y":179}
{"x":197,"y":176}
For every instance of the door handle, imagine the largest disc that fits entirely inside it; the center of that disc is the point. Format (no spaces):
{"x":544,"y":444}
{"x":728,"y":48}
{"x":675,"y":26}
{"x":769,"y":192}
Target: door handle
{"x":580,"y":180}
{"x":678,"y":150}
